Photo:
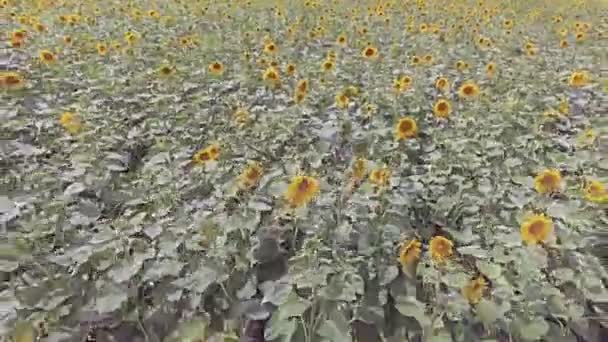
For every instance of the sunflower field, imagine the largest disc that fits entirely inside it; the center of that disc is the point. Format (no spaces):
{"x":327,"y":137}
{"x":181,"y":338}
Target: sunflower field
{"x":304,"y":170}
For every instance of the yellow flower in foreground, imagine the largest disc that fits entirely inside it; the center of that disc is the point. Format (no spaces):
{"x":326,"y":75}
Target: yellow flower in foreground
{"x":579,"y":79}
{"x":271,"y":75}
{"x":536,"y":229}
{"x":406,"y":128}
{"x":490,"y":69}
{"x":440,"y":248}
{"x":71,"y":122}
{"x":548,"y":181}
{"x":209,"y":153}
{"x":380,"y":176}
{"x":468,"y":90}
{"x":102,"y":49}
{"x":11,"y":80}
{"x":473,"y":291}
{"x":595,"y":191}
{"x":301,"y":191}
{"x":442,"y":108}
{"x":250,"y":176}
{"x":409,"y":253}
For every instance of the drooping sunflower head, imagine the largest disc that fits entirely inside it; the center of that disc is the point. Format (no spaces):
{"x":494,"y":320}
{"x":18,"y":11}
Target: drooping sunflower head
{"x":473,"y":291}
{"x":216,"y":68}
{"x":442,"y":108}
{"x":302,"y":86}
{"x":271,"y":75}
{"x":440,"y":248}
{"x":409,"y":253}
{"x":461,"y":65}
{"x":290,"y":69}
{"x":548,"y":181}
{"x":406,"y":128}
{"x":328,"y":65}
{"x":359,"y":169}
{"x":536,"y":229}
{"x":301,"y":191}
{"x":468,"y":90}
{"x":490,"y":69}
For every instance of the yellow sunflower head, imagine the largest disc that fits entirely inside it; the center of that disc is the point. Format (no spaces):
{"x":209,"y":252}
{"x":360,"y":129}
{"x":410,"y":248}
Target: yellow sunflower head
{"x":380,"y":176}
{"x":473,"y":291}
{"x":301,"y":191}
{"x":216,"y":68}
{"x":370,"y":52}
{"x":442,"y":108}
{"x":406,"y":128}
{"x":328,"y":65}
{"x":270,"y":48}
{"x":207,"y":154}
{"x":359,"y":169}
{"x":442,"y":84}
{"x":409,"y":253}
{"x":440,"y":248}
{"x":579,"y":79}
{"x":342,"y":100}
{"x":536,"y":229}
{"x":490,"y":69}
{"x":548,"y":181}
{"x":250,"y":176}
{"x":468,"y":90}
{"x":71,"y":122}
{"x":166,"y":70}
{"x":102,"y":48}
{"x":290,"y":69}
{"x":47,"y":57}
{"x":11,"y":80}
{"x":595,"y":191}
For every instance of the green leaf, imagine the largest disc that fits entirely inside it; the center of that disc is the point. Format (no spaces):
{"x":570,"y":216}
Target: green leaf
{"x":331,"y":332}
{"x":281,"y":329}
{"x":534,"y":330}
{"x":411,"y":307}
{"x":487,"y":312}
{"x":294,"y":306}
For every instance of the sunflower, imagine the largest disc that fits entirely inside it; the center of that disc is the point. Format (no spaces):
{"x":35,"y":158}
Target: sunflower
{"x":298,"y":97}
{"x":209,"y":153}
{"x":380,"y":176}
{"x":415,"y":60}
{"x":270,"y":48}
{"x":301,"y":191}
{"x":580,"y":37}
{"x":548,"y":181}
{"x":102,"y":48}
{"x":341,"y":40}
{"x":595,"y":191}
{"x":370,"y":52}
{"x":216,"y":68}
{"x":579,"y":79}
{"x":428,"y":59}
{"x":359,"y":169}
{"x":47,"y":57}
{"x":440,"y":248}
{"x":290,"y":69}
{"x":328,"y":65}
{"x":11,"y":80}
{"x":468,"y":90}
{"x":271,"y":75}
{"x":536,"y":229}
{"x":563,"y":43}
{"x":40,"y":27}
{"x":588,"y":137}
{"x":342,"y":100}
{"x":71,"y":122}
{"x":302,"y":86}
{"x":473,"y":291}
{"x":241,"y":116}
{"x":18,"y":34}
{"x":442,"y":108}
{"x":166,"y":70}
{"x":442,"y":84}
{"x":67,"y":40}
{"x":490,"y":69}
{"x":461,"y":65}
{"x":409,"y":253}
{"x":250,"y":176}
{"x":406,"y":128}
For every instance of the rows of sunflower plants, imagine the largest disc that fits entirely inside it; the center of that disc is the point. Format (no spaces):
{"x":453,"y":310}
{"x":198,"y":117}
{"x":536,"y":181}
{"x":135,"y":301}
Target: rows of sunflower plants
{"x":341,"y":170}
